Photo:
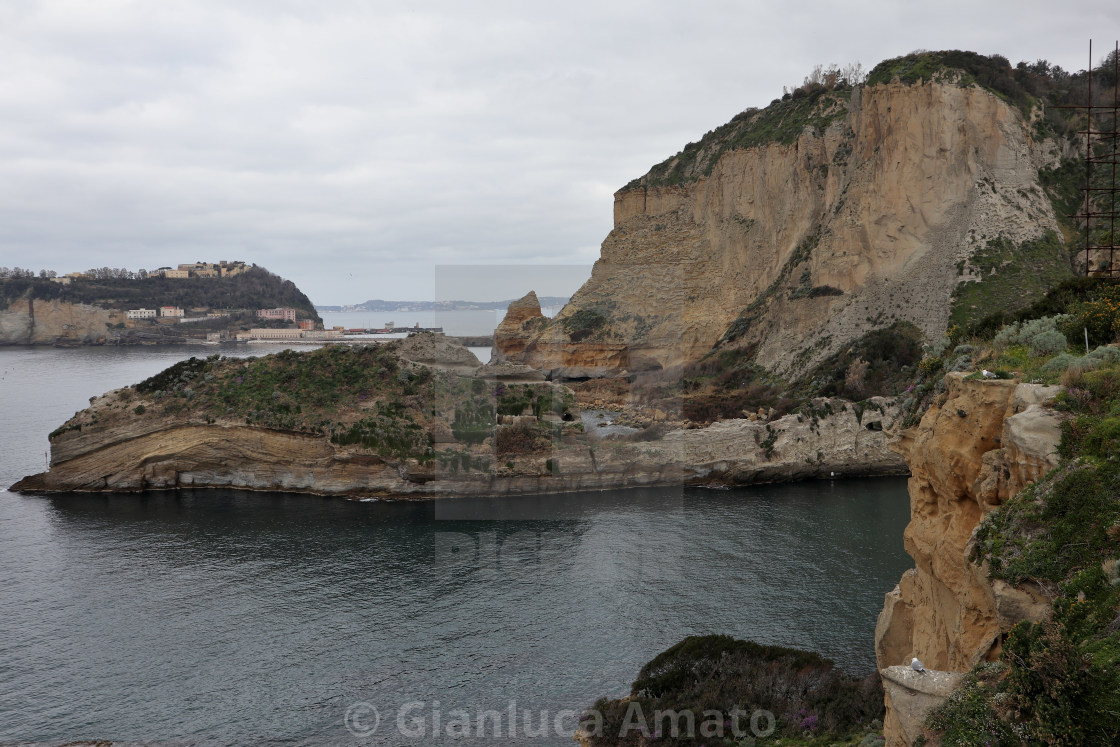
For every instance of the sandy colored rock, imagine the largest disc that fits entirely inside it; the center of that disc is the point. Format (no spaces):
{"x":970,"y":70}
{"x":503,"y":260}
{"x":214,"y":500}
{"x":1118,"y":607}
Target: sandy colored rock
{"x":878,"y":209}
{"x":510,"y":373}
{"x":27,"y":322}
{"x":111,"y":447}
{"x":982,"y":445}
{"x":910,"y":696}
{"x":522,"y":318}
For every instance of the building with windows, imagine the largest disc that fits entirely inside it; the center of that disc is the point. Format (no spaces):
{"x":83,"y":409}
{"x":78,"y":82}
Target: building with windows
{"x":286,"y":314}
{"x":170,"y":311}
{"x":140,"y":314}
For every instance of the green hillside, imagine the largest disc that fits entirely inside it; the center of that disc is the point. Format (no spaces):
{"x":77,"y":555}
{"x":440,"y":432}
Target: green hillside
{"x":257,"y":288}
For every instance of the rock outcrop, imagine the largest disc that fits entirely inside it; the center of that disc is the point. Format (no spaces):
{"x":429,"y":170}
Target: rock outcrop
{"x":910,"y":696}
{"x":438,"y":352}
{"x":183,"y":429}
{"x":522,"y":319}
{"x":30,"y":322}
{"x":983,"y":444}
{"x":795,"y":250}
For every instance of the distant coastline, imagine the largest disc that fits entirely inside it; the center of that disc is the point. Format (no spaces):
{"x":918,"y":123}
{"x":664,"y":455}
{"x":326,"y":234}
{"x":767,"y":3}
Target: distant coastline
{"x":405,"y":306}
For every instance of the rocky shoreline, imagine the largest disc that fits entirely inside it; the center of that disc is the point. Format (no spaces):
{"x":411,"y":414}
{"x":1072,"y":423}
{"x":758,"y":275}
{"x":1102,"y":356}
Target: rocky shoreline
{"x":135,"y":439}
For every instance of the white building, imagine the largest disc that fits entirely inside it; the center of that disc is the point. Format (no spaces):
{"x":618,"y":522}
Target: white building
{"x":170,"y":311}
{"x":140,"y":313}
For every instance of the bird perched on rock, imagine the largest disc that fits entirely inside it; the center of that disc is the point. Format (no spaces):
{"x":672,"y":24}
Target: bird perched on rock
{"x":987,"y":374}
{"x":917,"y":665}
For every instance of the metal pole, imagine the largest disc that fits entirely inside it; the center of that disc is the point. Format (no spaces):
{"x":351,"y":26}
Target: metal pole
{"x":1088,"y":163}
{"x":1112,"y":194}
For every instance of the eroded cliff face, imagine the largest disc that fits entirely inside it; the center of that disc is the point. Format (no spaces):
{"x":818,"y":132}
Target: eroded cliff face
{"x":27,"y":322}
{"x":849,"y":228}
{"x":983,"y":444}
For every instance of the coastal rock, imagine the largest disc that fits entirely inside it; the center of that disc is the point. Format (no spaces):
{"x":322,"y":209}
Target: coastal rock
{"x":438,"y":351}
{"x":910,"y":696}
{"x":855,"y":222}
{"x":179,"y":429}
{"x":522,"y":318}
{"x":946,"y":611}
{"x":840,"y":442}
{"x":28,"y":322}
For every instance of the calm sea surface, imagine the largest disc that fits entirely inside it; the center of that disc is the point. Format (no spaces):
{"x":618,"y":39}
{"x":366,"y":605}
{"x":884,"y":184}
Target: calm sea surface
{"x":228,"y":617}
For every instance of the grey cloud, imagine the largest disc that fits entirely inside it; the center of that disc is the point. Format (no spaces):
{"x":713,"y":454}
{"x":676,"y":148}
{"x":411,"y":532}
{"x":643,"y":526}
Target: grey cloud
{"x":353,"y":146}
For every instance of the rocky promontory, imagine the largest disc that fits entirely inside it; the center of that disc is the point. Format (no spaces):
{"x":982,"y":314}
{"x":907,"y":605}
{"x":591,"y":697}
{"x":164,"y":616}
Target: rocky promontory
{"x":422,"y":417}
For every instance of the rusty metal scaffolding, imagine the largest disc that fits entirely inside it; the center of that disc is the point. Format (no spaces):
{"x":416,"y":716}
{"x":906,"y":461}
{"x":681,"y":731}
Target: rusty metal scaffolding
{"x":1100,"y":251}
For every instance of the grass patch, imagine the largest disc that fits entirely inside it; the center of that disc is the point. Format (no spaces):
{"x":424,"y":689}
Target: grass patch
{"x":1012,"y":278}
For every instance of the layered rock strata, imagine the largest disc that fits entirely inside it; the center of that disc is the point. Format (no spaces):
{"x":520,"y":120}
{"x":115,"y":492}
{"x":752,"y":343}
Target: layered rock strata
{"x":808,"y":245}
{"x":98,"y":451}
{"x":982,"y":445}
{"x":29,"y":322}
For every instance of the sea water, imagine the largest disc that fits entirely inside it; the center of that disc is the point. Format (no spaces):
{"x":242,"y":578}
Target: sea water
{"x":229,"y":617}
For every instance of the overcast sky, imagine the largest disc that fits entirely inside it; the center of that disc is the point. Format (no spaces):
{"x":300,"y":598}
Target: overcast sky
{"x":353,"y":147}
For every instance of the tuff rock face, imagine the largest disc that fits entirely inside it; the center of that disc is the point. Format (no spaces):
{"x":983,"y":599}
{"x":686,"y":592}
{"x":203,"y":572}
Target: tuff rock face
{"x":27,"y":322}
{"x":985,"y":443}
{"x":522,"y":318}
{"x":855,"y":226}
{"x":128,"y":439}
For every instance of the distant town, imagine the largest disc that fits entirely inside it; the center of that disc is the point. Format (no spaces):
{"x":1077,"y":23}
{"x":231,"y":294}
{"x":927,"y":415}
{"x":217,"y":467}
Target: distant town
{"x":222,"y":269}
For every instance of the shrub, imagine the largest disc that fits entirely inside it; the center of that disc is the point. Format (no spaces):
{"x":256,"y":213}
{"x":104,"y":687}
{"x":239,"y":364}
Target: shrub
{"x":939,"y":347}
{"x":1105,"y":354}
{"x":140,"y":409}
{"x":968,"y":716}
{"x":1041,"y":335}
{"x":1100,"y":317}
{"x":1006,"y":337}
{"x":1048,"y":342}
{"x":1059,"y":363}
{"x":804,"y":691}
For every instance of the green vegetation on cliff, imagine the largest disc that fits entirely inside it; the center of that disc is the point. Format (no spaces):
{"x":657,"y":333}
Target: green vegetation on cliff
{"x":715,"y":683}
{"x":781,"y":122}
{"x":1009,"y":277}
{"x":1056,"y":681}
{"x":354,"y":395}
{"x":367,"y":396}
{"x":256,"y":288}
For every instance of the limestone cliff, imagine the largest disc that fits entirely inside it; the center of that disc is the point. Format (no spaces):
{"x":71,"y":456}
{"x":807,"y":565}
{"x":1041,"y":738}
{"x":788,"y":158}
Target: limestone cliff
{"x":983,"y":444}
{"x":793,"y":250}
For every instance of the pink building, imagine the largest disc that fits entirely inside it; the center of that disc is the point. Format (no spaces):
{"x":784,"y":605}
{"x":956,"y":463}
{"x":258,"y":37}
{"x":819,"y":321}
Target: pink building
{"x":285,"y":313}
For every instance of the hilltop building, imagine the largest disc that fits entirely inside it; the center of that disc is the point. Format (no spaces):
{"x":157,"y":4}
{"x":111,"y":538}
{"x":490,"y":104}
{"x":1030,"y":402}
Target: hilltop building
{"x":140,"y":314}
{"x":223,"y":269}
{"x":170,"y":311}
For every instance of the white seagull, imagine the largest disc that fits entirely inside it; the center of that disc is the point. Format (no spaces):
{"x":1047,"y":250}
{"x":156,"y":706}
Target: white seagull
{"x":917,"y":665}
